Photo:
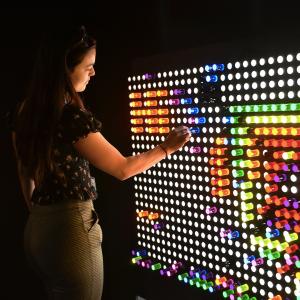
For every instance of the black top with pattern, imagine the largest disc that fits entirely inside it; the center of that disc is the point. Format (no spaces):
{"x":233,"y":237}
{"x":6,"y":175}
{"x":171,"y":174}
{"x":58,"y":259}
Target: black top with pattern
{"x":72,"y":180}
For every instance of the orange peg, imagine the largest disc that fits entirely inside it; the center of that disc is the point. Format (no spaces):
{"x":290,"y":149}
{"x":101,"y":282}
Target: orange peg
{"x":162,"y":93}
{"x":275,"y":131}
{"x":153,"y":216}
{"x":215,"y":191}
{"x":217,"y":151}
{"x":143,"y":213}
{"x":254,"y":164}
{"x":214,"y":181}
{"x":291,"y":249}
{"x":151,"y":94}
{"x":286,"y":143}
{"x":269,"y":165}
{"x":223,"y":172}
{"x":296,"y":143}
{"x":151,"y":121}
{"x":136,"y":121}
{"x":164,"y":130}
{"x":280,"y":212}
{"x":278,"y":154}
{"x":150,"y":103}
{"x":270,"y":176}
{"x":136,"y":112}
{"x":135,"y":95}
{"x":290,"y":214}
{"x":263,"y":210}
{"x":281,"y":224}
{"x":252,"y":142}
{"x":295,"y":131}
{"x":266,"y":131}
{"x":296,"y":156}
{"x":163,"y":121}
{"x":223,"y":182}
{"x":163,"y":111}
{"x":152,"y":129}
{"x":253,"y":175}
{"x":279,"y":166}
{"x":258,"y":131}
{"x":212,"y":161}
{"x":280,"y":201}
{"x":151,"y":112}
{"x":220,"y":141}
{"x":278,"y":297}
{"x":136,"y":104}
{"x":224,"y":193}
{"x":283,"y":269}
{"x":253,"y":152}
{"x":221,"y":151}
{"x":220,"y":281}
{"x":214,"y":171}
{"x":137,"y":129}
{"x":221,"y":161}
{"x":271,"y":188}
{"x":267,"y":143}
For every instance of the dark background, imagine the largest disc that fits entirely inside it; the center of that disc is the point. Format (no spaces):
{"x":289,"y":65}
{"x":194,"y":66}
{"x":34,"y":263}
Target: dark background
{"x":128,"y":34}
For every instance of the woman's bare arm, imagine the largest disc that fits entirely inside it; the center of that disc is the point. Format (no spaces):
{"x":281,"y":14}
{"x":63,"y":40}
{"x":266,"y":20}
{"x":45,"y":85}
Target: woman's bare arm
{"x":104,"y":156}
{"x":27,"y":184}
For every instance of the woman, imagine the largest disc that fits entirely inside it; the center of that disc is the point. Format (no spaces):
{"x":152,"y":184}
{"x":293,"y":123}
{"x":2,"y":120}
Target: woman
{"x":55,"y":138}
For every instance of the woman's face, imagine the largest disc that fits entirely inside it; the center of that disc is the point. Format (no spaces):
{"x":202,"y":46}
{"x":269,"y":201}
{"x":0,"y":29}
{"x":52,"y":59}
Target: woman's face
{"x":82,"y":73}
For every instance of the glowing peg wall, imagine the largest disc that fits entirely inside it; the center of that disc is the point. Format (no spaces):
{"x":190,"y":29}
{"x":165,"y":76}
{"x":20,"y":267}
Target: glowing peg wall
{"x":222,"y":214}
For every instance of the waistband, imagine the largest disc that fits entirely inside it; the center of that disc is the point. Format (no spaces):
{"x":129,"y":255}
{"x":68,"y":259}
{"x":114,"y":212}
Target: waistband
{"x":64,"y":205}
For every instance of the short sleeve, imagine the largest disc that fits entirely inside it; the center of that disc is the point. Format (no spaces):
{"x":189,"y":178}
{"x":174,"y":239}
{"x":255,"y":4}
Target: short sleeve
{"x":77,"y":123}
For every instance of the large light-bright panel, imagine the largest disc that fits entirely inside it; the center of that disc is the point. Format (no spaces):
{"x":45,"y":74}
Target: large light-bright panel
{"x":221,"y":214}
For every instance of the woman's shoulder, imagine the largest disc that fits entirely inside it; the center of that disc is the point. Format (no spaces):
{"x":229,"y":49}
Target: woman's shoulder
{"x":71,"y":111}
{"x":78,"y":121}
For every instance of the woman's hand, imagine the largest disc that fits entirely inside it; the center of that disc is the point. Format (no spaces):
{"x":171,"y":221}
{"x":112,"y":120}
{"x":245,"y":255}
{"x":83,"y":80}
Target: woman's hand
{"x":176,"y":139}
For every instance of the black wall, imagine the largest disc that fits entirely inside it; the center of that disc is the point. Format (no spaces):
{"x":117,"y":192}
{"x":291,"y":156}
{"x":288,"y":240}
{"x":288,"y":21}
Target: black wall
{"x":126,"y":33}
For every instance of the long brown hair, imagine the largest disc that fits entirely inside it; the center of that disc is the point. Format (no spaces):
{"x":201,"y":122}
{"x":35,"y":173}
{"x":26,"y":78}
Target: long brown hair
{"x":50,"y":88}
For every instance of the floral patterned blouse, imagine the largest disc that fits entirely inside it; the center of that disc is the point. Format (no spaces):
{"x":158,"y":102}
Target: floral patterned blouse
{"x":72,"y":180}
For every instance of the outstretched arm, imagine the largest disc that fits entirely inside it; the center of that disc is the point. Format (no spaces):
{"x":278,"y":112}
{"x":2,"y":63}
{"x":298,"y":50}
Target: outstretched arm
{"x":104,"y":156}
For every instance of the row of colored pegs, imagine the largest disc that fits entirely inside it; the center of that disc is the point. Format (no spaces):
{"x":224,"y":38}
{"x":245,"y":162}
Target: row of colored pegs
{"x":214,"y":67}
{"x":149,"y":112}
{"x":146,"y":214}
{"x":182,"y":101}
{"x":197,"y":120}
{"x":265,"y":108}
{"x":197,"y":277}
{"x":277,"y":131}
{"x":250,"y":174}
{"x":246,"y":163}
{"x":290,"y":143}
{"x":158,"y":93}
{"x":161,"y":130}
{"x":285,"y":119}
{"x":229,"y":233}
{"x":150,"y":121}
